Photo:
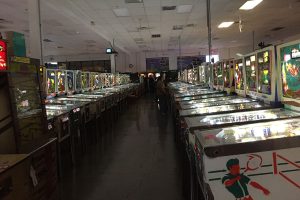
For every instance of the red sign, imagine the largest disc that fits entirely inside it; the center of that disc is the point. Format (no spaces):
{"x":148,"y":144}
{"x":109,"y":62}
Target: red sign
{"x":3,"y":55}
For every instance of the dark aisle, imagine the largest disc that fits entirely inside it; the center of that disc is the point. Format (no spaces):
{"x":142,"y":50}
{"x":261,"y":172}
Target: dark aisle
{"x":138,"y":162}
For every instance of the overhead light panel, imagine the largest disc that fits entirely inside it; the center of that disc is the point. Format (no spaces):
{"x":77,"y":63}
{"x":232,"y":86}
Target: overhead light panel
{"x":133,"y":1}
{"x":225,"y":24}
{"x":250,"y":4}
{"x":168,"y":8}
{"x":121,"y":12}
{"x":184,"y":8}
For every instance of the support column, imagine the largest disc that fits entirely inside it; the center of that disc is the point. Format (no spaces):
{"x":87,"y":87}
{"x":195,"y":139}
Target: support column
{"x":35,"y":32}
{"x":113,"y":63}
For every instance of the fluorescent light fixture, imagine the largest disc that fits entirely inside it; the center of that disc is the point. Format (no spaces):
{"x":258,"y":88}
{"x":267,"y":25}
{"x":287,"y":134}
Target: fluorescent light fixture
{"x":109,"y":51}
{"x":250,"y":4}
{"x":225,"y":24}
{"x":52,"y":63}
{"x":239,"y":54}
{"x":184,"y":8}
{"x":121,"y":12}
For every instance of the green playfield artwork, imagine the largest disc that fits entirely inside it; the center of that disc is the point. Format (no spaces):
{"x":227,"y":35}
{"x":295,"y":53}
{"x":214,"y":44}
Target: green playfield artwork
{"x":290,"y":65}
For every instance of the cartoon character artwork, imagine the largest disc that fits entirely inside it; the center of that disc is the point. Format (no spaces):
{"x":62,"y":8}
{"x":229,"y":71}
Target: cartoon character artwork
{"x":237,"y":183}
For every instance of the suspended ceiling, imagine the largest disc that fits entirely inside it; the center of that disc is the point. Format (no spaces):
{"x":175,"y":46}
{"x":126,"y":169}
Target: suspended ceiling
{"x":73,"y":27}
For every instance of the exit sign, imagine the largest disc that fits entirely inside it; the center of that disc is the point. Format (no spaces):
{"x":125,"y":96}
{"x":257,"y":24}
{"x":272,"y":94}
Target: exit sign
{"x":3,"y":55}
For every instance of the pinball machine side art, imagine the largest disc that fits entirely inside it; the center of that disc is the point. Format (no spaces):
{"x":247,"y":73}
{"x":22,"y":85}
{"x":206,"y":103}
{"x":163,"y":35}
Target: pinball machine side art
{"x":265,"y":175}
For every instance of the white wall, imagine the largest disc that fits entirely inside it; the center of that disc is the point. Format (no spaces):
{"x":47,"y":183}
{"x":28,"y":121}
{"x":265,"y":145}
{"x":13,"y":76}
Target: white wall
{"x":83,"y":57}
{"x":120,"y":59}
{"x":139,"y":59}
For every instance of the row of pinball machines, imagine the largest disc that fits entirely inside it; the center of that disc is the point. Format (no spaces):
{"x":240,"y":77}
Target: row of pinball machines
{"x":47,"y":120}
{"x":82,"y":107}
{"x":198,"y":75}
{"x":241,"y":139}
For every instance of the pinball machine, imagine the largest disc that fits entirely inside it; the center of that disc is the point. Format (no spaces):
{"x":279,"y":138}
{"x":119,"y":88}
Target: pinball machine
{"x":251,"y":73}
{"x":78,"y":81}
{"x":61,"y":81}
{"x":85,"y":81}
{"x":23,"y":135}
{"x":220,"y":76}
{"x":215,"y":76}
{"x":239,"y":75}
{"x":51,"y":87}
{"x":70,"y":79}
{"x":264,"y":144}
{"x":228,"y":69}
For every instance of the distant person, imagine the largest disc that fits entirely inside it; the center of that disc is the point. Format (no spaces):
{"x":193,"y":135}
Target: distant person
{"x":162,"y":95}
{"x":151,"y":84}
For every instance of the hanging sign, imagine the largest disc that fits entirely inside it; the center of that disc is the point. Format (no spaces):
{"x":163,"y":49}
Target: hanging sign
{"x":3,"y":55}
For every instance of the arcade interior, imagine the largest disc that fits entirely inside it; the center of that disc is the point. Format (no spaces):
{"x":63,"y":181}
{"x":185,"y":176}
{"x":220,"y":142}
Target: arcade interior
{"x":149,"y":99}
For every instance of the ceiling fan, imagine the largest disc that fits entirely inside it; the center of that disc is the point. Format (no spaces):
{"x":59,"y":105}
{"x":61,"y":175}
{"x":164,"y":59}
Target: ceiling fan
{"x":241,"y":25}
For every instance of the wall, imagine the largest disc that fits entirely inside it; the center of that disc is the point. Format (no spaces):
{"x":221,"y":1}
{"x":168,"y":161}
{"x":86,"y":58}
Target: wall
{"x":139,"y":59}
{"x":120,"y":59}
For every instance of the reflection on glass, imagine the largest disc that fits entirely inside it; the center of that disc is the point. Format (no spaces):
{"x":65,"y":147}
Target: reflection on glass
{"x":200,"y":97}
{"x":248,"y":116}
{"x":264,"y":72}
{"x":215,"y":109}
{"x":250,"y":133}
{"x":196,"y":93}
{"x":209,"y":100}
{"x":218,"y":103}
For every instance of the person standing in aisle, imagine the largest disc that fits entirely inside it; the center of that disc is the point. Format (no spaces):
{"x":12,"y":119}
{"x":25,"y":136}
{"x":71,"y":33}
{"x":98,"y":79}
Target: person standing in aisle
{"x":151,"y":84}
{"x":162,"y":95}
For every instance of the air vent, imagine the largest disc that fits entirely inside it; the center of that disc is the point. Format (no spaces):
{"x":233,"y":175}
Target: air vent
{"x":277,"y":28}
{"x":178,"y":27}
{"x":60,"y":47}
{"x":47,"y":40}
{"x":156,"y":36}
{"x":167,"y":8}
{"x":133,"y":1}
{"x":216,"y":38}
{"x":143,"y":28}
{"x":190,"y":25}
{"x":142,"y":46}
